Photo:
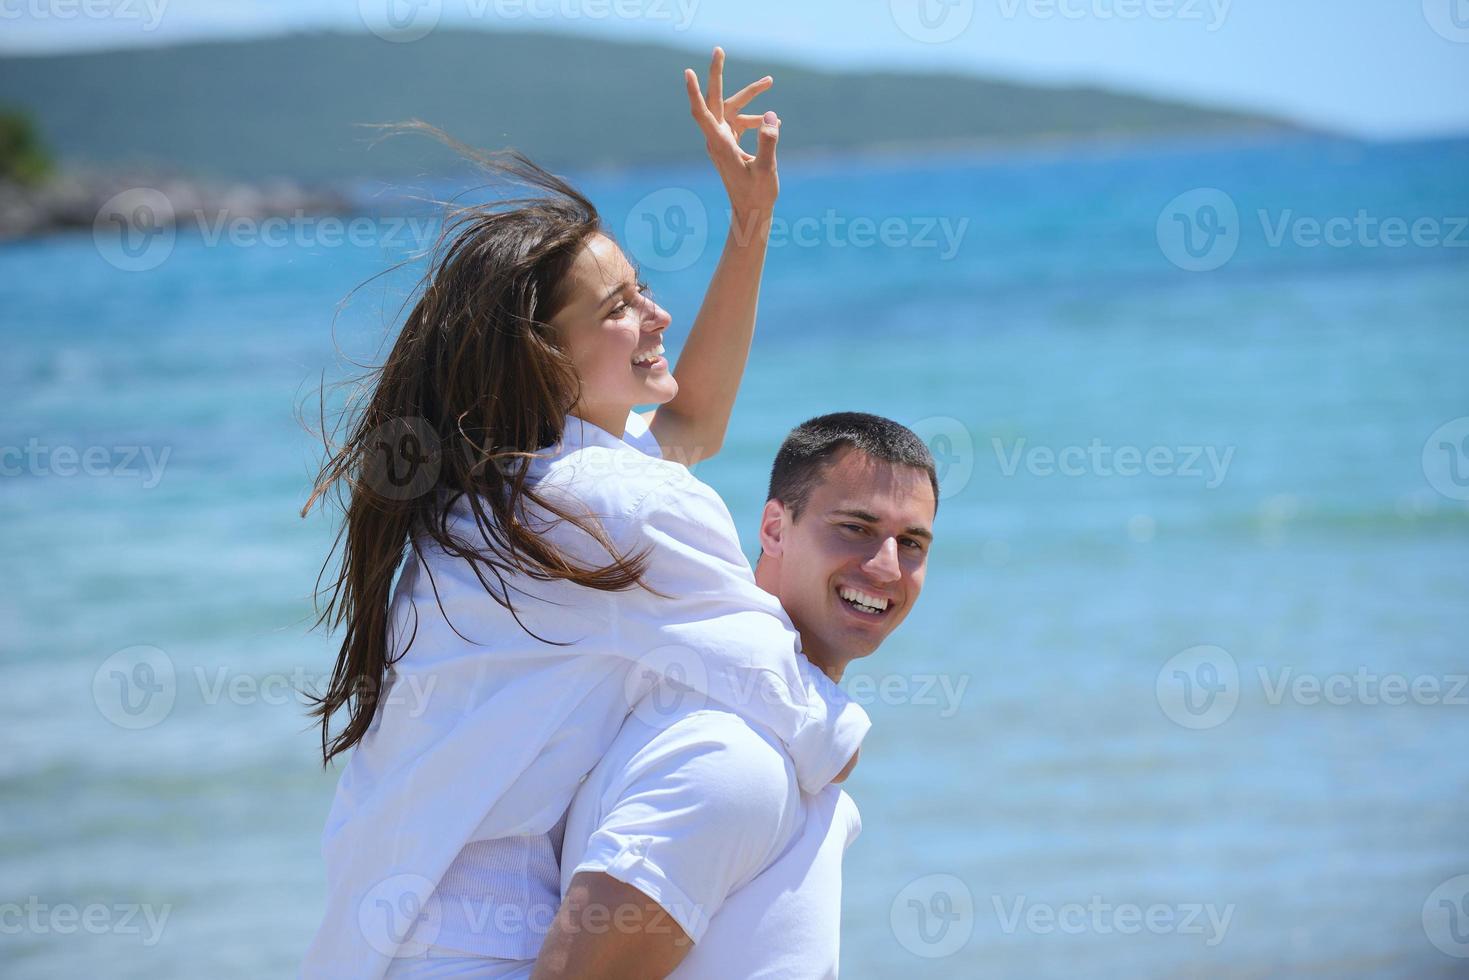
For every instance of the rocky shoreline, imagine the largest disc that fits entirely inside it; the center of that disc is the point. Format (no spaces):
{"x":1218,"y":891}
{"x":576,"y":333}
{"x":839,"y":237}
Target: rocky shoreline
{"x":82,"y":200}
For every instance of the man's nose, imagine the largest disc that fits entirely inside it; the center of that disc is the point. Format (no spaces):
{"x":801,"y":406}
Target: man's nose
{"x":883,"y":566}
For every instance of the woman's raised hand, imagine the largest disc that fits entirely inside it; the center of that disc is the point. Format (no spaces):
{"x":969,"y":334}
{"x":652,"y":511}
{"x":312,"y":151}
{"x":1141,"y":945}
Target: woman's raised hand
{"x":750,"y":180}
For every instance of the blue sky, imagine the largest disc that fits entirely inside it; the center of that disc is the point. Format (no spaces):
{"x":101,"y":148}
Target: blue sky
{"x":1385,"y":68}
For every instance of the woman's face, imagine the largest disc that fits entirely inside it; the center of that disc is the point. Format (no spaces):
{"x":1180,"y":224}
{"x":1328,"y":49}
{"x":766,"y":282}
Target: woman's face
{"x":610,"y":329}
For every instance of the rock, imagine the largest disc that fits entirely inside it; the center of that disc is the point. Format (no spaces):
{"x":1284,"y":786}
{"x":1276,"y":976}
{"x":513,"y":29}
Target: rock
{"x":76,"y":199}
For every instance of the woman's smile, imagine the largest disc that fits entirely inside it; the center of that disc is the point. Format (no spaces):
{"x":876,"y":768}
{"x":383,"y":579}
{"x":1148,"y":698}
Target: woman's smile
{"x":651,"y":359}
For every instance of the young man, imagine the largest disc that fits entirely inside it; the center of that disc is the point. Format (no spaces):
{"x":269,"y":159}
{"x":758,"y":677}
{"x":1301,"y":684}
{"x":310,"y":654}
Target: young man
{"x":691,"y":849}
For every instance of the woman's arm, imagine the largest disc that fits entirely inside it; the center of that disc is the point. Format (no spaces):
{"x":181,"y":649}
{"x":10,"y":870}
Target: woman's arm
{"x":691,"y":427}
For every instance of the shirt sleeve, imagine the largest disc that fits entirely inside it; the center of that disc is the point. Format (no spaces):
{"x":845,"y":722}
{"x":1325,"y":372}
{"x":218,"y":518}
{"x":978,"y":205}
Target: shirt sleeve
{"x":700,"y":810}
{"x":711,"y":632}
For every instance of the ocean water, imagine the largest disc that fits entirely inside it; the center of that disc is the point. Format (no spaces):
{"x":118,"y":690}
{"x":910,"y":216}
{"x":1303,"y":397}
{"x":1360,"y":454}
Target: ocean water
{"x":1184,"y":694}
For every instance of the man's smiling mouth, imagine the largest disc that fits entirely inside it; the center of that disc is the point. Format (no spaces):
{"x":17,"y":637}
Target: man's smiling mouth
{"x":863,"y":602}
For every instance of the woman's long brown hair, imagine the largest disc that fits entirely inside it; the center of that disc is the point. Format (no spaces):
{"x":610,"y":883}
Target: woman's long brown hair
{"x":475,"y":384}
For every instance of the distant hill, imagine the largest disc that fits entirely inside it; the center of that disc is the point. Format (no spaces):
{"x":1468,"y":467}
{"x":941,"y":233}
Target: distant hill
{"x":287,"y":105}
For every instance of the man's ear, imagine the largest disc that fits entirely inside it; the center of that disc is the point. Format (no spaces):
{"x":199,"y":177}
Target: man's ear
{"x":772,"y":528}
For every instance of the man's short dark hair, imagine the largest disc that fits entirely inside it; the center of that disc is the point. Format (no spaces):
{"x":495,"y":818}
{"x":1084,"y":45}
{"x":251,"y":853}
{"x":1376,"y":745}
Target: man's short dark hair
{"x":812,"y":446}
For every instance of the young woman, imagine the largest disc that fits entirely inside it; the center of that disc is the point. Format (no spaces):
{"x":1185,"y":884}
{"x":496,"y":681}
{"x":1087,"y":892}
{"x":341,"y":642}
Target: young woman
{"x":559,"y":562}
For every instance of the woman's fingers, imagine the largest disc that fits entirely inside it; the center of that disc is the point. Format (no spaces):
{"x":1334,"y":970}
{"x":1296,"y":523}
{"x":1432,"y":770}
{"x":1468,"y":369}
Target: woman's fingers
{"x":723,"y":124}
{"x":742,"y":98}
{"x":769,"y":136}
{"x":715,"y":98}
{"x":696,"y":97}
{"x":698,"y":107}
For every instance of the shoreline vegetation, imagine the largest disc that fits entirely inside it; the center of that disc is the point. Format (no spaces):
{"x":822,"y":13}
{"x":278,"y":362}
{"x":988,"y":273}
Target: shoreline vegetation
{"x":306,"y":105}
{"x":77,"y":199}
{"x":51,"y":202}
{"x":37,"y":199}
{"x":290,"y":125}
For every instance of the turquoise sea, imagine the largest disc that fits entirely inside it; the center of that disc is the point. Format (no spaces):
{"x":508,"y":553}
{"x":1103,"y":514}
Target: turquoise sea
{"x":1184,"y":696}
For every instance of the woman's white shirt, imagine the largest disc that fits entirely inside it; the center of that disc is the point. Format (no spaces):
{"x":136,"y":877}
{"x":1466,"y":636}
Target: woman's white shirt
{"x":485,"y":732}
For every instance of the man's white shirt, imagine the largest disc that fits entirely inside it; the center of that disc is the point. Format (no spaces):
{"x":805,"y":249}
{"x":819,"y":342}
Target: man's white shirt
{"x":703,"y":814}
{"x":484,"y":732}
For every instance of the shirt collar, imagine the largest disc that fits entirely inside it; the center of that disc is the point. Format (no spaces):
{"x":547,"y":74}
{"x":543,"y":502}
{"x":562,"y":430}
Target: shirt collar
{"x":785,"y":618}
{"x":578,"y":432}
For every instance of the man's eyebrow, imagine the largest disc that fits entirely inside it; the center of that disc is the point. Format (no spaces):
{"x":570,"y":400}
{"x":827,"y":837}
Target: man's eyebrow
{"x":870,"y":518}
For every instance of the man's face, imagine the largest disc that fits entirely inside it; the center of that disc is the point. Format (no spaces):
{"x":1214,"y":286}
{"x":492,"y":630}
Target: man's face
{"x":863,"y":535}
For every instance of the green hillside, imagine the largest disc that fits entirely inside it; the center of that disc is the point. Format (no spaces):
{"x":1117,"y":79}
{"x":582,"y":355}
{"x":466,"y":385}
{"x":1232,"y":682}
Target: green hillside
{"x":287,"y":105}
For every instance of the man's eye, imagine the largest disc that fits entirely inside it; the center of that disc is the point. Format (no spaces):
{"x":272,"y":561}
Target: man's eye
{"x":911,"y":543}
{"x":618,"y":311}
{"x":854,"y":527}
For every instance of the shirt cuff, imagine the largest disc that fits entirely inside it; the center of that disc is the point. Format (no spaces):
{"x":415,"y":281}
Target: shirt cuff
{"x":628,"y":862}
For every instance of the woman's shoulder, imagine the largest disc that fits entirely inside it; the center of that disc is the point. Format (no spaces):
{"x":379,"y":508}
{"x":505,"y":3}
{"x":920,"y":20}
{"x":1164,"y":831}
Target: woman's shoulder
{"x":618,"y":481}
